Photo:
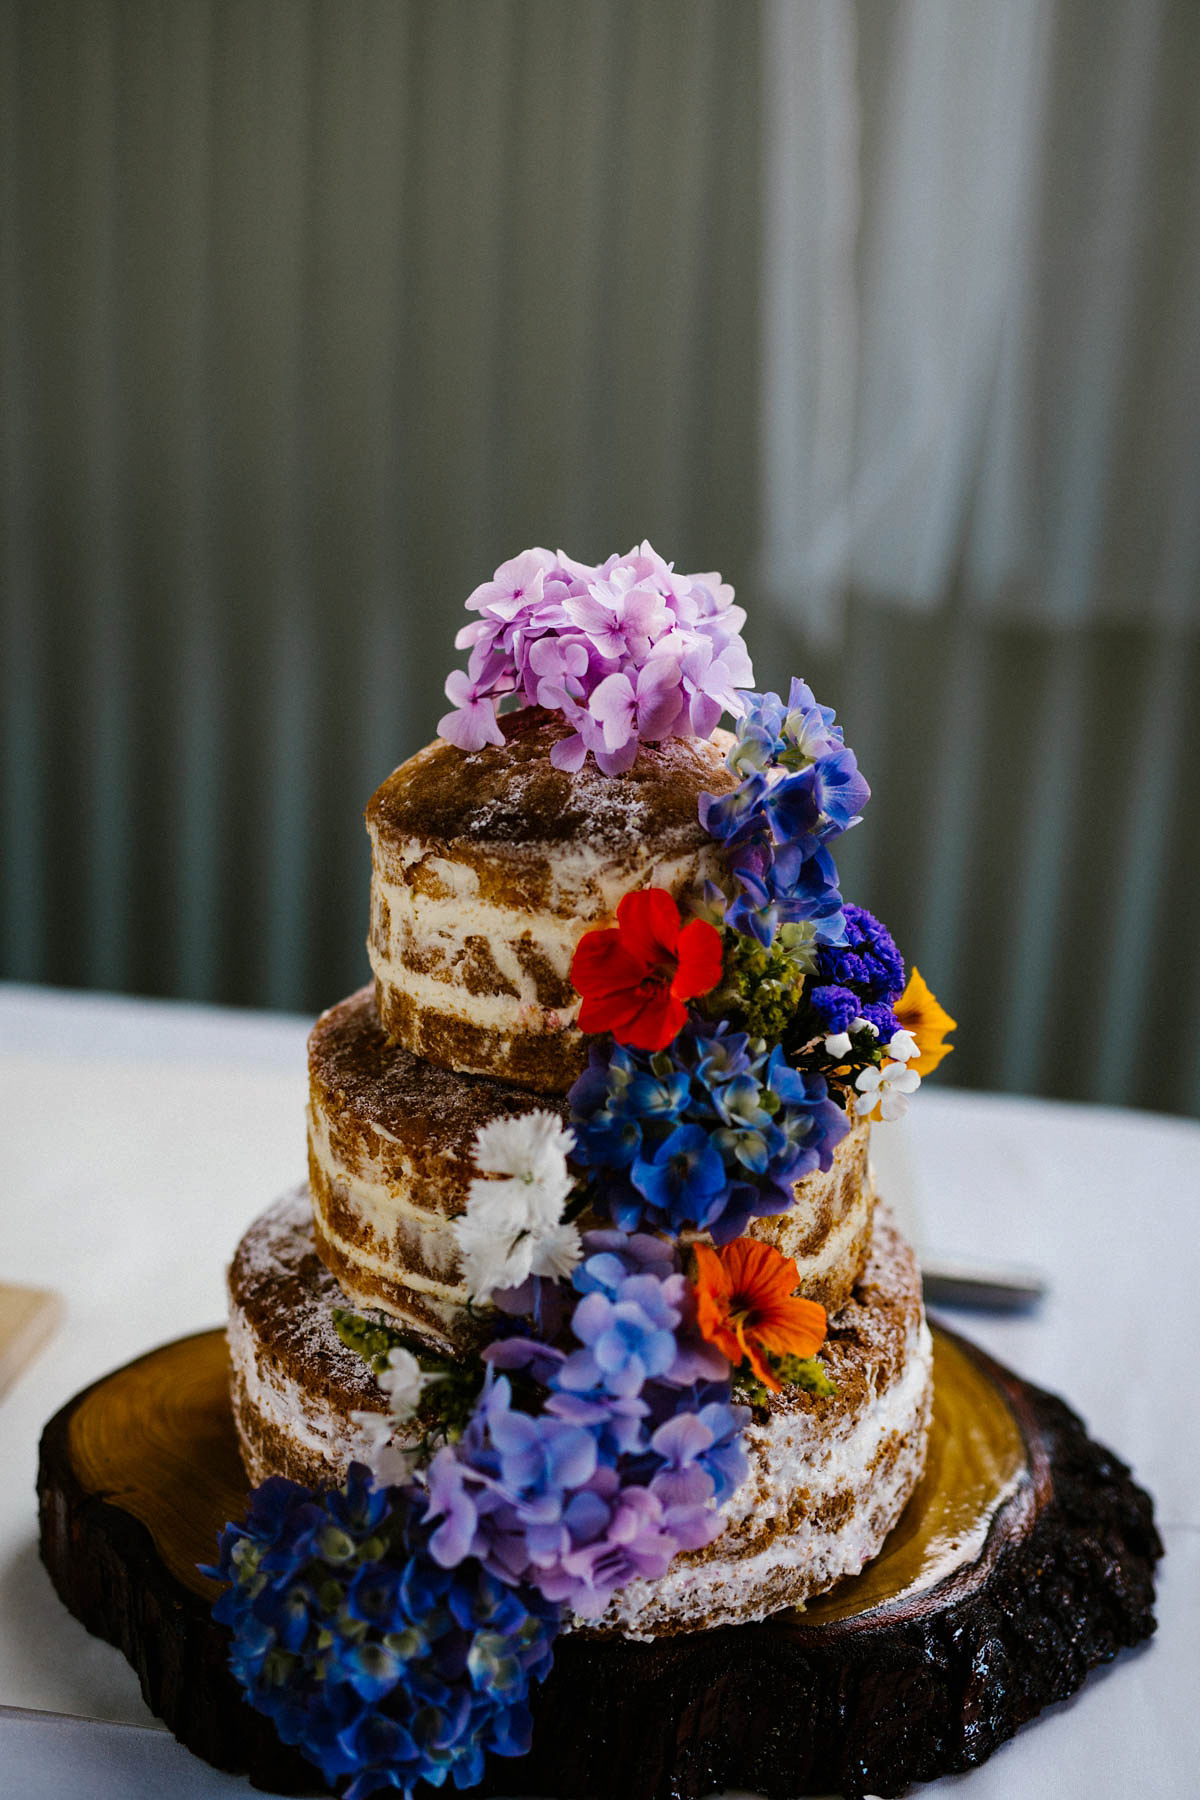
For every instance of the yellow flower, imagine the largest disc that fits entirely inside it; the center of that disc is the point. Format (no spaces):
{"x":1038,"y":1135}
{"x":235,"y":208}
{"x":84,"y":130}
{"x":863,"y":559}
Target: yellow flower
{"x":919,"y":1012}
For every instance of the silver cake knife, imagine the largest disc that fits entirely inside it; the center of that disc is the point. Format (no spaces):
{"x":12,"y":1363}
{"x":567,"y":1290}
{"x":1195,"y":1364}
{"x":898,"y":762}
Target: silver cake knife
{"x":994,"y":1287}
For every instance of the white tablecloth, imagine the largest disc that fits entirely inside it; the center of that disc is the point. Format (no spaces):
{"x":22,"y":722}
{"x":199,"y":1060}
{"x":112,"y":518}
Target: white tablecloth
{"x":139,"y":1138}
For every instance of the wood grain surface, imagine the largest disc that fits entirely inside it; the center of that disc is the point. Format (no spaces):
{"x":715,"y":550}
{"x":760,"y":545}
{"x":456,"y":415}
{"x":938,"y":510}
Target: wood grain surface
{"x":28,"y":1316}
{"x":1024,"y":1558}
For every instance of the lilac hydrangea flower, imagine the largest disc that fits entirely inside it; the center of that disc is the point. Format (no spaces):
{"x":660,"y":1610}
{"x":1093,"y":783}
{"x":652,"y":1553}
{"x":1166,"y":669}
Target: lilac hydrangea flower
{"x":628,"y":651}
{"x":607,"y":1481}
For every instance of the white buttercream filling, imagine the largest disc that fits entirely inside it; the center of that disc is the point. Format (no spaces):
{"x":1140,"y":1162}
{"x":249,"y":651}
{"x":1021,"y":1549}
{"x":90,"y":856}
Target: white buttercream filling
{"x":440,"y":926}
{"x":450,"y":1294}
{"x":835,"y":1246}
{"x":587,"y":889}
{"x":584,"y":885}
{"x":382,"y":1204}
{"x":445,"y":994}
{"x":305,"y":1419}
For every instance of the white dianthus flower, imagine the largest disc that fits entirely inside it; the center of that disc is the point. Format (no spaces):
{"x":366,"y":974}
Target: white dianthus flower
{"x":513,"y":1226}
{"x":888,"y":1088}
{"x":403,"y":1380}
{"x":390,"y":1463}
{"x":532,"y":1148}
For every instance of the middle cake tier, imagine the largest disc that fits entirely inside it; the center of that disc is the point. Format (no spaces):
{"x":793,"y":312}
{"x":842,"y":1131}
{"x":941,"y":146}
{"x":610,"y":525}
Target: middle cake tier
{"x":390,"y":1137}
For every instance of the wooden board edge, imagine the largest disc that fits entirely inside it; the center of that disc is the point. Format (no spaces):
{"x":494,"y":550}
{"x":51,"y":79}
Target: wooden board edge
{"x":778,"y":1707}
{"x":106,"y":1570}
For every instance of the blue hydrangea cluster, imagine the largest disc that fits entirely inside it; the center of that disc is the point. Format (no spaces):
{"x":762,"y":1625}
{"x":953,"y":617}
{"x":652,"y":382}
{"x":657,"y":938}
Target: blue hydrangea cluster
{"x":376,"y":1660}
{"x":860,"y":978}
{"x":705,"y":1135}
{"x":627,"y":1461}
{"x":800,"y":788}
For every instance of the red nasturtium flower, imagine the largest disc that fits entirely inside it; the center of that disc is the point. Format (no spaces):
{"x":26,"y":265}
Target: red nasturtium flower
{"x":634,"y":978}
{"x":746,"y":1304}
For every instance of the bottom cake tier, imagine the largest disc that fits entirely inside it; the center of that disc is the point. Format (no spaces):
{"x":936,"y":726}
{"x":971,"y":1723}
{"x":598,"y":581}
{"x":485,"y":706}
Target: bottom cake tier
{"x":828,"y":1477}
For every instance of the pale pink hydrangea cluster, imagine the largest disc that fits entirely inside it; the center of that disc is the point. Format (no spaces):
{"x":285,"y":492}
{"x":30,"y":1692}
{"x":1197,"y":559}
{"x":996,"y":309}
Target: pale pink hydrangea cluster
{"x":628,"y":651}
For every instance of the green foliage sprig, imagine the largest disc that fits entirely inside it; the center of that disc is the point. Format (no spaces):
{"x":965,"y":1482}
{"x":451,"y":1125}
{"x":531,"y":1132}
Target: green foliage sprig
{"x":445,"y":1407}
{"x":367,"y":1338}
{"x":761,"y":987}
{"x":807,"y":1372}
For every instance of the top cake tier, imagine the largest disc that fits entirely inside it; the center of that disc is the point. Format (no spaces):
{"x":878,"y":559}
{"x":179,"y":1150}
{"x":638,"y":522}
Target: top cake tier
{"x":488,"y":867}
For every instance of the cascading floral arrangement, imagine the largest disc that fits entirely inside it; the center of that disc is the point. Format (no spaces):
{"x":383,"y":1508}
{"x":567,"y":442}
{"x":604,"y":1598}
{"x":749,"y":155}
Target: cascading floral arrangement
{"x":392,"y":1628}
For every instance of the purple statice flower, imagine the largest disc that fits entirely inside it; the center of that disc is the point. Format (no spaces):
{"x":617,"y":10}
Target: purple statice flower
{"x":741,"y":1129}
{"x":799,"y":789}
{"x":628,"y":651}
{"x":383,"y":1665}
{"x":833,"y":1009}
{"x":879,"y":1014}
{"x":867,"y":962}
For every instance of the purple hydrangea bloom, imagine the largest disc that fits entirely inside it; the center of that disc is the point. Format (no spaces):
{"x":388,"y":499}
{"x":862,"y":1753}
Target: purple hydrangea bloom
{"x":684,"y":1175}
{"x":626,"y":1340}
{"x":800,"y":788}
{"x":607,"y":1481}
{"x":383,"y":1666}
{"x":766,"y":1124}
{"x":628,"y":651}
{"x":598,"y":1533}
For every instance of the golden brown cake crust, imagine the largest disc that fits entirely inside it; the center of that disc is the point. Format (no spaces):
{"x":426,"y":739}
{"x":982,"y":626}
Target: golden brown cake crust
{"x":413,"y":1118}
{"x":828,"y":1227}
{"x":510,"y":799}
{"x":279,"y":1284}
{"x":489,"y":866}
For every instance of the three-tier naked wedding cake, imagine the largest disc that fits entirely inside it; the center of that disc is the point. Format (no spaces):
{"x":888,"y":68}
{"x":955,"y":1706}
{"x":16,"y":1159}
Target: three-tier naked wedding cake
{"x":588,"y":1317}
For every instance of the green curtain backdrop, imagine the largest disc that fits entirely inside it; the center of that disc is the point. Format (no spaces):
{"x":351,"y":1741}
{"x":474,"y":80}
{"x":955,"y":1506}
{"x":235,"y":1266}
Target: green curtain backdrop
{"x":313,"y":312}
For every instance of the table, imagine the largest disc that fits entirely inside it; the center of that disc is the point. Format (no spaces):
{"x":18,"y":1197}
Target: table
{"x":140,"y":1137}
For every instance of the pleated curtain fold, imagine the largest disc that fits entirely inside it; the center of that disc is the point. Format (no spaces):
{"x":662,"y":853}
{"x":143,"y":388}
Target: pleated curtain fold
{"x":312,"y":311}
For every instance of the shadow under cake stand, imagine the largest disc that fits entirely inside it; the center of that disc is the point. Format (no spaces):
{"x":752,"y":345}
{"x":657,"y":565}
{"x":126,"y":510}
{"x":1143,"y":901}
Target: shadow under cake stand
{"x":1024,"y":1559}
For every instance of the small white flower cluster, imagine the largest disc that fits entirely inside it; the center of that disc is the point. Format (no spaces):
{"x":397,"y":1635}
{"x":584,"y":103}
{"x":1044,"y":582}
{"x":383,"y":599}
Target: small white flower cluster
{"x":513,"y":1226}
{"x":889,"y":1086}
{"x":403,"y":1380}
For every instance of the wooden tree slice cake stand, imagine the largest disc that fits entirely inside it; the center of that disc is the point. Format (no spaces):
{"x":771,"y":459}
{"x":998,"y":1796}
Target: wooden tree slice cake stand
{"x":1023,"y":1560}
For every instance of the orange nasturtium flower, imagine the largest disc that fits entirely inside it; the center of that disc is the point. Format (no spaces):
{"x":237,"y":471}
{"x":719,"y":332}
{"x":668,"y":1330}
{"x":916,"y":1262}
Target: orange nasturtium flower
{"x":919,"y":1012}
{"x":747,"y":1305}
